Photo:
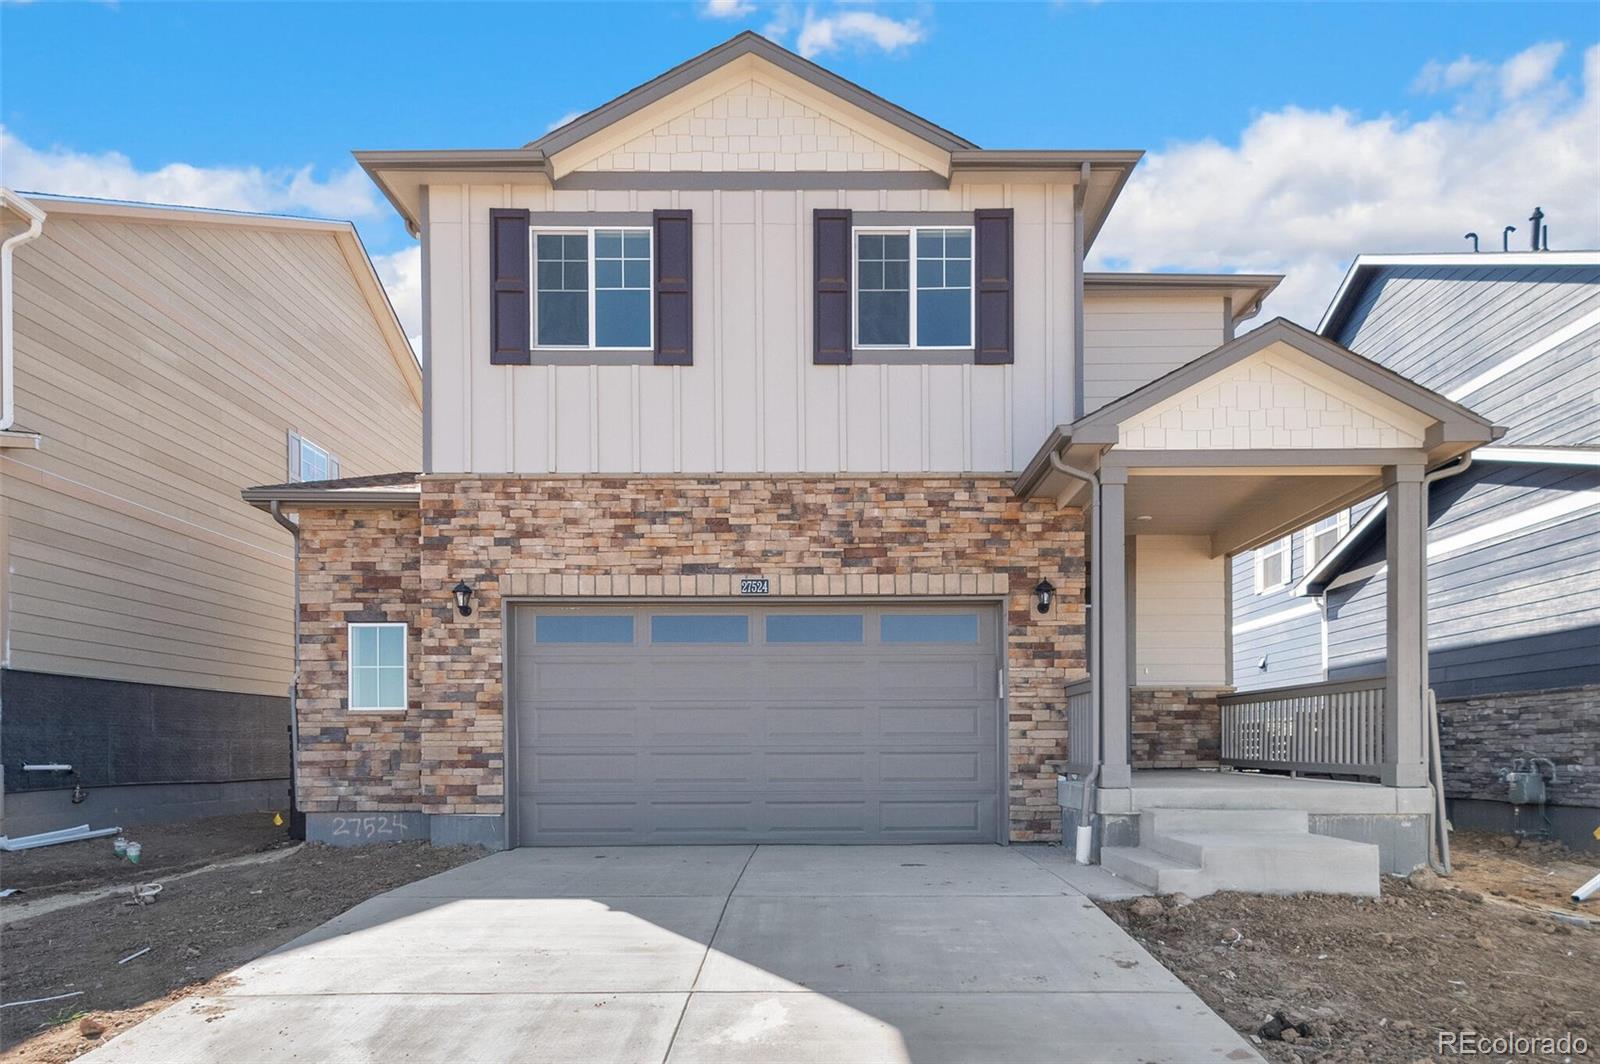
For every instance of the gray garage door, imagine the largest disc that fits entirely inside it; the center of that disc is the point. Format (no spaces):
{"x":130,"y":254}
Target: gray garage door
{"x":778,"y":724}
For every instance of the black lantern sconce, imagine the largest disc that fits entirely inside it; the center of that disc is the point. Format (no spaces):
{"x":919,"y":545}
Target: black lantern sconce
{"x":463,"y":594}
{"x":1044,"y":593}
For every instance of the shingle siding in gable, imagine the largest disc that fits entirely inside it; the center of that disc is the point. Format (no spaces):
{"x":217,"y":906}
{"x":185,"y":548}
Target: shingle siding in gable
{"x":1519,"y":612}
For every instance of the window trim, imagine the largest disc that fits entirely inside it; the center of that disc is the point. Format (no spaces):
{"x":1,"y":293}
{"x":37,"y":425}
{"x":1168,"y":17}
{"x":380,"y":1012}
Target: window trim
{"x":1284,"y":546}
{"x":1309,"y":536}
{"x":298,"y":445}
{"x":534,"y":232}
{"x":350,"y":667}
{"x":911,"y":231}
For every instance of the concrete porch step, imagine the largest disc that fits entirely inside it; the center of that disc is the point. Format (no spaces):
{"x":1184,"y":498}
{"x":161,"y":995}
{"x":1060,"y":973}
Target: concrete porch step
{"x":1166,"y":821}
{"x":1259,"y":862}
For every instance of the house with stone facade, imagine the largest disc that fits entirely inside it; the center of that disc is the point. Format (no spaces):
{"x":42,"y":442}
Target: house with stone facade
{"x":1513,"y":571}
{"x":787,"y":478}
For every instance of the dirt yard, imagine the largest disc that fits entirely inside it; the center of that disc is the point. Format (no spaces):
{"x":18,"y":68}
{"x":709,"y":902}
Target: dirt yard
{"x":1497,"y":947}
{"x":201,"y":927}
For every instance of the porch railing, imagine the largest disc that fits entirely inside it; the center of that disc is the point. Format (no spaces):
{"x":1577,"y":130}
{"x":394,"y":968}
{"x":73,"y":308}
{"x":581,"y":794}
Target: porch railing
{"x":1080,"y":726}
{"x":1333,"y":728}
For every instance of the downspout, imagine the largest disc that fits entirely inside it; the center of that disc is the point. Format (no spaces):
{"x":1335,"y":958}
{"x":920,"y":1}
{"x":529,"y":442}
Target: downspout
{"x":296,"y":820}
{"x":1094,"y":634}
{"x":8,"y":404}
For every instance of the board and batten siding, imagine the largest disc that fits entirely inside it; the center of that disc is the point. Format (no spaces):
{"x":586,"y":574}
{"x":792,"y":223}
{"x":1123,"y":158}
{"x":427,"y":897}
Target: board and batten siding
{"x":752,"y":401}
{"x":163,"y":365}
{"x":1180,"y":611}
{"x":1513,"y":600}
{"x":1130,"y":338}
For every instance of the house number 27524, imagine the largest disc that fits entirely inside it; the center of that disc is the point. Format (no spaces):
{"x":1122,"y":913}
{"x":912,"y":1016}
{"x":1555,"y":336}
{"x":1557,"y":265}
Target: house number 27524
{"x":755,"y":585}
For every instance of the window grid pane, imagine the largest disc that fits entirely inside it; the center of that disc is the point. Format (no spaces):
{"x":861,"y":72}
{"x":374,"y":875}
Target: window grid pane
{"x":944,"y":288}
{"x":883,"y":289}
{"x":562,"y":289}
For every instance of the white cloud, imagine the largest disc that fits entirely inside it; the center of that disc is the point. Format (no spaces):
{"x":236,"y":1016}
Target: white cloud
{"x":401,"y":273}
{"x":563,"y":120}
{"x":1437,"y":76}
{"x":820,"y":34}
{"x":726,"y":8}
{"x":112,"y":175}
{"x":1303,"y":192}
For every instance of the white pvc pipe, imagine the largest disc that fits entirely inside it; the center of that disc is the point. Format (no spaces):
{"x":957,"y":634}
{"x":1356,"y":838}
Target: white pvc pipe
{"x":8,"y":405}
{"x":1588,"y":890}
{"x":1085,"y":836}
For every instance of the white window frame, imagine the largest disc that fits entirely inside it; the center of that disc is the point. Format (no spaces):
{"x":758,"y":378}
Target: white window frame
{"x":1309,"y":536}
{"x":330,"y":461}
{"x":533,"y":284}
{"x":1284,"y":547}
{"x":350,"y":666}
{"x":910,"y":231}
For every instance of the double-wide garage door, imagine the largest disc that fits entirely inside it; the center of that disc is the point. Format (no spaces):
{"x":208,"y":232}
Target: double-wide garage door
{"x":773,"y":724}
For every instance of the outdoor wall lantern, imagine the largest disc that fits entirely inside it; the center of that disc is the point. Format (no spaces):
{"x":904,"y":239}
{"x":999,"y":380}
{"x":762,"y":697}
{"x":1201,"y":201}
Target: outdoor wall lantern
{"x":1045,"y":592}
{"x":463,"y":594}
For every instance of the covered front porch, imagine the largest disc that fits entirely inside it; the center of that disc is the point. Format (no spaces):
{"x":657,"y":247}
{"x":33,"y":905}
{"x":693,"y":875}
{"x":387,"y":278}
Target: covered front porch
{"x":1252,"y":442}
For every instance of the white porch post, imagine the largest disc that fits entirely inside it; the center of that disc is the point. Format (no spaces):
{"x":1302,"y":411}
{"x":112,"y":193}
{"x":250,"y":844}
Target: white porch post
{"x":1111,"y":545}
{"x":1404,"y":751}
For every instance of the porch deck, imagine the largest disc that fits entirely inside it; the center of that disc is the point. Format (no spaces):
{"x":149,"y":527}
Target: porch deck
{"x":1209,"y":789}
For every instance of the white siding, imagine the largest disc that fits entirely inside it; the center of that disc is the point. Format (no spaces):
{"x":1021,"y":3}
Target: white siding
{"x":1180,"y":611}
{"x":753,"y":401}
{"x":1130,"y":339}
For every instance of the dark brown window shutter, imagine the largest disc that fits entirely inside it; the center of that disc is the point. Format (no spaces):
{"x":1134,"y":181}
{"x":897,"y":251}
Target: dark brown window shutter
{"x":674,"y":288}
{"x":509,"y":309}
{"x":996,"y":302}
{"x":830,"y":269}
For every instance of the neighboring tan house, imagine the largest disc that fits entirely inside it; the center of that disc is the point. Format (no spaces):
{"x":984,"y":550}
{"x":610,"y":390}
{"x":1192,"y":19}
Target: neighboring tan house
{"x":1513,"y":535}
{"x":775,"y":443}
{"x":155,"y":359}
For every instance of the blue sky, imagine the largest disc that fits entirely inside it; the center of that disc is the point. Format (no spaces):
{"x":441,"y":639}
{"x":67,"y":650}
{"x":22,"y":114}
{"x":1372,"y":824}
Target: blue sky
{"x":1293,"y":107}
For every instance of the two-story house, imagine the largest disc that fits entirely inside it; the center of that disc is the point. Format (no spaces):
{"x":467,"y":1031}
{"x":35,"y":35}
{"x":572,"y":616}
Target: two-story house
{"x":787,"y":478}
{"x":154,"y":358}
{"x":1513,"y":573}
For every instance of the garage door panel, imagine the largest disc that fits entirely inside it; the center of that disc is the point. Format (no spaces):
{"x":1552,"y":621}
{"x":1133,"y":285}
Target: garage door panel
{"x":801,"y":740}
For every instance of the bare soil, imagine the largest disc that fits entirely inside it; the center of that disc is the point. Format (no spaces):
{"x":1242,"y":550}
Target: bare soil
{"x":168,"y":848}
{"x":1498,"y":947}
{"x":201,"y":928}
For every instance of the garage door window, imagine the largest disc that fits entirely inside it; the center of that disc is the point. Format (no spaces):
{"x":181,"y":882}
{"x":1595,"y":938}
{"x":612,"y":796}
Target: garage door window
{"x":929,"y":628}
{"x":815,"y":628}
{"x":583,"y":628}
{"x":378,"y":667}
{"x":700,"y":628}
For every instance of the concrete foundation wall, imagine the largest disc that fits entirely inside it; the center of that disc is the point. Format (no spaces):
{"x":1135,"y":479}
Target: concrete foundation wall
{"x":31,"y":812}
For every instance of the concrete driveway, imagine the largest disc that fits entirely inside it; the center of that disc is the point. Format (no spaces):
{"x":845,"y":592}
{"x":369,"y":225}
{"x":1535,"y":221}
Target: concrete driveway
{"x":724,"y":953}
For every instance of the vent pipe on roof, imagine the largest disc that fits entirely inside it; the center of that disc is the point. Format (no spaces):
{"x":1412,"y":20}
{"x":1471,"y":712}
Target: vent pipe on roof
{"x":1505,"y":237}
{"x":1536,"y":218}
{"x":1474,"y":238}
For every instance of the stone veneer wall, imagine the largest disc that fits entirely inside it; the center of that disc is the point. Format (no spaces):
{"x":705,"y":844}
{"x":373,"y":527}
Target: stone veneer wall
{"x":1479,"y":736}
{"x":355,"y":565}
{"x":1176,"y":727}
{"x":577,"y":537}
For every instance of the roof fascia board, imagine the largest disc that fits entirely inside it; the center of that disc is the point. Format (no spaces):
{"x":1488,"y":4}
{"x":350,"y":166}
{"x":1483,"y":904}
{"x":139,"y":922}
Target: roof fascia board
{"x":1562,"y":456}
{"x":745,"y":44}
{"x":1249,"y":290}
{"x":336,"y":499}
{"x":1097,"y":426}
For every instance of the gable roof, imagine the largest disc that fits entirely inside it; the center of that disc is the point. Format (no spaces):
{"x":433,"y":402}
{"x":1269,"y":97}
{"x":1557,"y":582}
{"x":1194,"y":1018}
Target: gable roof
{"x":746,"y":43}
{"x":1101,"y":426}
{"x":1367,"y":268}
{"x":352,"y":250}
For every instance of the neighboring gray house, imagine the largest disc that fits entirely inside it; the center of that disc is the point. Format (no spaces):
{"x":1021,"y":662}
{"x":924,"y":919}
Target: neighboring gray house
{"x":1514,"y":569}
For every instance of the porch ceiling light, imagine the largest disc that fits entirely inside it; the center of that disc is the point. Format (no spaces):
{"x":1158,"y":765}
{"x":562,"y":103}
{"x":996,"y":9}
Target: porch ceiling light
{"x":463,"y":593}
{"x":1044,"y":594}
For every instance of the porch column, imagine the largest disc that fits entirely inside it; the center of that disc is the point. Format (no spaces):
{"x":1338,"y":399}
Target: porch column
{"x":1404,"y":721}
{"x":1111,"y":547}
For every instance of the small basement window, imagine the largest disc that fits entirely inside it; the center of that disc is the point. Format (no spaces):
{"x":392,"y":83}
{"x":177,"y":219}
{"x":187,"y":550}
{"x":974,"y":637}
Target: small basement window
{"x":914,"y":288}
{"x":606,"y":307}
{"x":378,"y":667}
{"x":1272,"y":566}
{"x":1325,"y":535}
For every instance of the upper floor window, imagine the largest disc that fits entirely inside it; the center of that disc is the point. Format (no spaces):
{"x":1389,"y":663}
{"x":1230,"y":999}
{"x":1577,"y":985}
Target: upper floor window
{"x":1324,"y":535}
{"x":913,"y":287}
{"x":1272,"y":565}
{"x":310,"y":461}
{"x":592,"y":288}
